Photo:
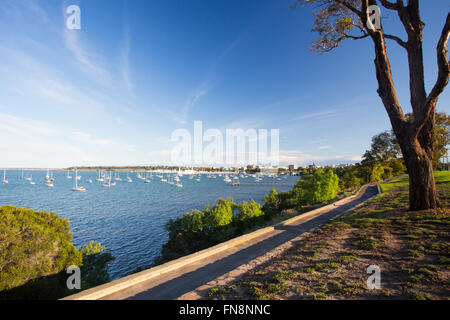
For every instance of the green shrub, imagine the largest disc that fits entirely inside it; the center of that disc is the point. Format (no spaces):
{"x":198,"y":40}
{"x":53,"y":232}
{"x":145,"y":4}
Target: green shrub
{"x":221,"y":214}
{"x":94,"y":267}
{"x":321,"y":186}
{"x":35,"y":251}
{"x":272,"y":204}
{"x":249,"y":215}
{"x":32,"y":245}
{"x":197,"y":230}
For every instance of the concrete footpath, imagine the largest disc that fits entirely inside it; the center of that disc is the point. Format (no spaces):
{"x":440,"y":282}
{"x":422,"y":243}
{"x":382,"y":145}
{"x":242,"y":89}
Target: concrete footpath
{"x":184,"y":280}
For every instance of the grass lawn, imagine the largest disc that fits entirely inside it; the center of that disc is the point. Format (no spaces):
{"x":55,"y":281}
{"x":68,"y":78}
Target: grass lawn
{"x":412,"y":250}
{"x":441,"y":177}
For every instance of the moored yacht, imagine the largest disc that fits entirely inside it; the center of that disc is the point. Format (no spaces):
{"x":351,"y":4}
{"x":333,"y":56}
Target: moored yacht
{"x":4,"y":176}
{"x":77,"y":188}
{"x":101,"y":176}
{"x":108,"y":184}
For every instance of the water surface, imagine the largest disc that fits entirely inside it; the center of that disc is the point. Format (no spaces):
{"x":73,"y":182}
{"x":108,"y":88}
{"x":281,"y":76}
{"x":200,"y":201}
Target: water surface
{"x":129,"y":218}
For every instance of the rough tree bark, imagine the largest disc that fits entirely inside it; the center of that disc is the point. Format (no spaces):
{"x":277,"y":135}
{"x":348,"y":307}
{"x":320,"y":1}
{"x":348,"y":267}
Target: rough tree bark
{"x":416,"y":139}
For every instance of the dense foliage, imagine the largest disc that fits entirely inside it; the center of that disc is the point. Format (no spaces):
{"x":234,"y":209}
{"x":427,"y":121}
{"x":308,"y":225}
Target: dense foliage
{"x":321,"y":186}
{"x":198,"y":230}
{"x":94,"y":265}
{"x":33,"y":244}
{"x":36,"y":250}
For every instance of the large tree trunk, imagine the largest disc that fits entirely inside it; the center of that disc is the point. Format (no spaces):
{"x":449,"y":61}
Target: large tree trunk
{"x":416,"y":139}
{"x":422,"y":188}
{"x":418,"y":153}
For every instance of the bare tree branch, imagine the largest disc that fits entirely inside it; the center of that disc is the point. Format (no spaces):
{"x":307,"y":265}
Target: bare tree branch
{"x":443,"y":64}
{"x":350,"y":7}
{"x":441,"y":82}
{"x":386,"y":88}
{"x":390,"y":5}
{"x":356,"y":37}
{"x":397,"y":39}
{"x":410,"y":18}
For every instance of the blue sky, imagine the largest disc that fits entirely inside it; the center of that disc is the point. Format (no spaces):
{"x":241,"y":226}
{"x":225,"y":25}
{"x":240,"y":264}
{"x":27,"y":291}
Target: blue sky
{"x":113,"y":92}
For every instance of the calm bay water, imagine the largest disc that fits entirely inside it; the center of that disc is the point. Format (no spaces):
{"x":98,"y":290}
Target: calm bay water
{"x":129,"y":218}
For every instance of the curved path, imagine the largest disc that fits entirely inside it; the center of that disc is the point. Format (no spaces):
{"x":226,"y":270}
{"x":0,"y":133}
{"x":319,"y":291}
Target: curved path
{"x":179,"y":283}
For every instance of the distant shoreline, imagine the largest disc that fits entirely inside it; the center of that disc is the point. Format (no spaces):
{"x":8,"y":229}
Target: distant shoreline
{"x":156,"y":169}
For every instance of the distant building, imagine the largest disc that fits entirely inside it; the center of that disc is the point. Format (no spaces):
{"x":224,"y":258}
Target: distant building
{"x":291,"y":167}
{"x":269,"y":170}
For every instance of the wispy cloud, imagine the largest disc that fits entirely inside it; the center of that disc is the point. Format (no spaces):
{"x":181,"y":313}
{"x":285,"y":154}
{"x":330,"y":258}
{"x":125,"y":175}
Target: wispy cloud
{"x":41,"y":82}
{"x":183,"y":116}
{"x":201,"y":91}
{"x":36,"y":9}
{"x":89,"y":139}
{"x":323,"y":147}
{"x":315,"y":115}
{"x":24,"y":127}
{"x":297,"y":157}
{"x":207,"y":83}
{"x":30,"y":143}
{"x":86,"y":60}
{"x":125,"y":68}
{"x":19,"y":8}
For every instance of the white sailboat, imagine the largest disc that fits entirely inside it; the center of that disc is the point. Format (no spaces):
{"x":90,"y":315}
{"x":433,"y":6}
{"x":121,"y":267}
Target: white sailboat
{"x":108,"y":185}
{"x":100,"y":177}
{"x":146,"y":178}
{"x":77,"y":188}
{"x":4,"y":176}
{"x":68,"y":175}
{"x":128,"y":178}
{"x":31,"y":179}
